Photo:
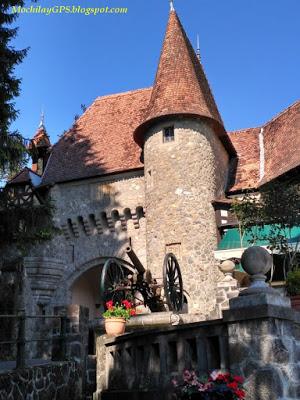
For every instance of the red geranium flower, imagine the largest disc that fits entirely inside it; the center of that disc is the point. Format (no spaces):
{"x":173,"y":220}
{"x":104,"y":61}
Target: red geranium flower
{"x":109,"y":304}
{"x":132,"y":313}
{"x":238,"y":379}
{"x":127,"y":304}
{"x":222,"y":377}
{"x":240,"y":393}
{"x":233,"y":385}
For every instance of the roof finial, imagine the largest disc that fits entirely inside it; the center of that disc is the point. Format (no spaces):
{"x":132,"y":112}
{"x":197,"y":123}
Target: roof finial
{"x":198,"y":48}
{"x":42,"y":120}
{"x":172,"y":8}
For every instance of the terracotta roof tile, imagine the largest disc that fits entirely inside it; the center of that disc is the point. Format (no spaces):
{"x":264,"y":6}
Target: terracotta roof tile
{"x":23,"y":177}
{"x":282,"y":143}
{"x":180,"y":85}
{"x":245,"y":172}
{"x":40,"y":139}
{"x":101,"y":141}
{"x":281,"y":150}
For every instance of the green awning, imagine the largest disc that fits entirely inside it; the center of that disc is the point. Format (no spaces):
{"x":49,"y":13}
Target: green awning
{"x":232,"y":238}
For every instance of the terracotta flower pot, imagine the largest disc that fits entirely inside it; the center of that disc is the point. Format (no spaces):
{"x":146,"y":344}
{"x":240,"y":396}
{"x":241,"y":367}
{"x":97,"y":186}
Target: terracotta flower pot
{"x":295,"y":302}
{"x":115,"y":326}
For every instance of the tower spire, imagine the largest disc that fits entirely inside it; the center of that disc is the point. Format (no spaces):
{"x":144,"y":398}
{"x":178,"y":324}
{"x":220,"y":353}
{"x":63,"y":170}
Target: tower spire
{"x":172,"y":8}
{"x":180,"y":86}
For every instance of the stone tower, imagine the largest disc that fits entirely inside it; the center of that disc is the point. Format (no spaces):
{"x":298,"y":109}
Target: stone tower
{"x":186,"y":153}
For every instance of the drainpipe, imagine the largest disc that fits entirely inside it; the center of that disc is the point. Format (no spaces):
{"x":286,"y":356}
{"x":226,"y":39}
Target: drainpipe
{"x":261,"y":154}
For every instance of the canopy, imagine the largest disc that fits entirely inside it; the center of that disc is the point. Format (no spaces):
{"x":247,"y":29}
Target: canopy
{"x":234,"y":240}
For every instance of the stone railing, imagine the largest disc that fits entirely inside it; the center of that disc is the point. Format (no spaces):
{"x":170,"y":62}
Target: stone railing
{"x":258,"y":338}
{"x":145,"y":361}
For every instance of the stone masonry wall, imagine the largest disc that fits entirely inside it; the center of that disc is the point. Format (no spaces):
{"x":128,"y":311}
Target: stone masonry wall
{"x":58,"y":381}
{"x":97,"y":218}
{"x":182,"y":178}
{"x":260,"y":342}
{"x":266,"y":352}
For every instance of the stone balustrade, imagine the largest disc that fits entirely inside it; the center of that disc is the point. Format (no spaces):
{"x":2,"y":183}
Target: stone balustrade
{"x":258,"y":338}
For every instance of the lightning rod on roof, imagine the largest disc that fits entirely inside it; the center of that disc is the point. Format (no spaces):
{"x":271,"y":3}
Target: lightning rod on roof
{"x":42,"y":120}
{"x":198,"y":48}
{"x":172,"y":8}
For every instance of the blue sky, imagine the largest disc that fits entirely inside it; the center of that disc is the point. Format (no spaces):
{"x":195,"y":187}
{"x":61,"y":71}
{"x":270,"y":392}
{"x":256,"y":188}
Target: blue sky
{"x":249,"y":48}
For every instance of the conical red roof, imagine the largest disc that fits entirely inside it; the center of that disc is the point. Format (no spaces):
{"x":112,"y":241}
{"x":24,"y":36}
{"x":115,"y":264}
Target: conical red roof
{"x":41,"y":138}
{"x":180,"y":87}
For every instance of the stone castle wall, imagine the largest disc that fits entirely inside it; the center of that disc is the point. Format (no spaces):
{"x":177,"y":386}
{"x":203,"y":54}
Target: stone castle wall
{"x":58,"y":381}
{"x":182,"y":178}
{"x":97,"y":217}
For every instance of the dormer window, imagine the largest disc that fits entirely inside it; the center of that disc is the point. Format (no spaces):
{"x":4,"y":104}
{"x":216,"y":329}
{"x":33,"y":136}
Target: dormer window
{"x":168,"y":135}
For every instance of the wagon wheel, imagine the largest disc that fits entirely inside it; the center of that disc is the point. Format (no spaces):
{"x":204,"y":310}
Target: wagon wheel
{"x":173,"y":283}
{"x":113,"y":279}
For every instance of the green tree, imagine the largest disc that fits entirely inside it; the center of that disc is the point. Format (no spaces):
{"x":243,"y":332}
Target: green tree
{"x":13,"y":153}
{"x":277,"y":205}
{"x":19,"y":224}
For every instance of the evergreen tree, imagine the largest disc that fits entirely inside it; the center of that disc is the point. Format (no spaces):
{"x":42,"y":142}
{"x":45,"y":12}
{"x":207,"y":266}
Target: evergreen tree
{"x":12,"y":145}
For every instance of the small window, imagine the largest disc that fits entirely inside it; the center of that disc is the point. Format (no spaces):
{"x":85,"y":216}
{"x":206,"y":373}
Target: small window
{"x":169,"y":134}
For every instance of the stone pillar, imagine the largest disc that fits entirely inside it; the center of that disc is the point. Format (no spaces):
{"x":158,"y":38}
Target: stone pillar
{"x":264,"y":335}
{"x":182,"y":179}
{"x":227,"y":288}
{"x":76,"y":338}
{"x":101,"y":365}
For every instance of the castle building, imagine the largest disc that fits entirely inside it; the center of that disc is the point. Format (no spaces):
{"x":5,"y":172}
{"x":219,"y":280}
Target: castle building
{"x":155,"y":168}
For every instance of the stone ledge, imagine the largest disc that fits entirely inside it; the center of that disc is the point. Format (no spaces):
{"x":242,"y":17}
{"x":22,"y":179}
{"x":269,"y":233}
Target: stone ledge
{"x":217,"y":326}
{"x":259,"y":312}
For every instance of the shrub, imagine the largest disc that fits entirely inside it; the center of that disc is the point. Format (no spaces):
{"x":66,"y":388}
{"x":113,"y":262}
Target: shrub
{"x":293,"y":282}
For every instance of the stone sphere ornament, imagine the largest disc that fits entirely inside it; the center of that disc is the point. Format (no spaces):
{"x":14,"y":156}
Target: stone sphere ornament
{"x":227,"y":267}
{"x":257,"y":261}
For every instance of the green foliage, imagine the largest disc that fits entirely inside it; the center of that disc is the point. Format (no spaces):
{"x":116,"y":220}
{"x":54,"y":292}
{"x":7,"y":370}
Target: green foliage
{"x":26,"y":225}
{"x":293,"y":282}
{"x":277,"y":205}
{"x":125,"y":310}
{"x":13,"y":153}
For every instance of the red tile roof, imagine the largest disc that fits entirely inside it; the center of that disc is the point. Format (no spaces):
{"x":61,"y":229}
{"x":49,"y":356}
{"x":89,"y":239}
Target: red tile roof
{"x":41,"y":138}
{"x":101,"y":141}
{"x":181,"y":87}
{"x":281,"y":140}
{"x":245,"y":169}
{"x":23,"y":177}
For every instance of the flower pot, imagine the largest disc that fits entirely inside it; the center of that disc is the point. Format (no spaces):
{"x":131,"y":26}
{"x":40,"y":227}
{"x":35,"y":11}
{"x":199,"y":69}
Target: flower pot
{"x":115,"y":326}
{"x":295,"y":302}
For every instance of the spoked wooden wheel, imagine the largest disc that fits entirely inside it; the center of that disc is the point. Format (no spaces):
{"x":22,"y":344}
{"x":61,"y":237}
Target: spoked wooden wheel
{"x":112,"y":282}
{"x":173,"y":283}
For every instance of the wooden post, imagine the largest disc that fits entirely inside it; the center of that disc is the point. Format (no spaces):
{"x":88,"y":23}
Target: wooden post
{"x":21,"y":342}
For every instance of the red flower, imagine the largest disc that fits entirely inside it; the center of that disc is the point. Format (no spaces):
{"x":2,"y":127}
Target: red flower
{"x":233,"y":385}
{"x":238,"y":379}
{"x":240,"y":393}
{"x":132,"y":313}
{"x":127,"y":304}
{"x":109,"y":304}
{"x":222,"y":377}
